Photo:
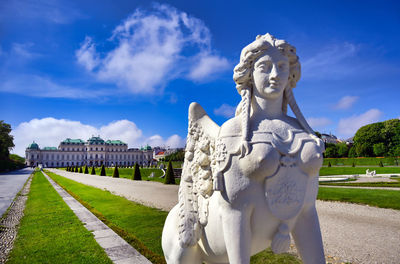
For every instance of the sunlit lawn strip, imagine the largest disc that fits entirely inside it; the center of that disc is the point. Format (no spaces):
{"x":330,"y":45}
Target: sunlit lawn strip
{"x":325,"y":171}
{"x":378,"y":198}
{"x":51,"y":233}
{"x":139,"y":225}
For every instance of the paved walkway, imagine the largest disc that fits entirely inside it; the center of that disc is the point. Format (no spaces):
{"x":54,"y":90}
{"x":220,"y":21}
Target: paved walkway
{"x":351,"y":232}
{"x":10,"y":184}
{"x":117,"y":249}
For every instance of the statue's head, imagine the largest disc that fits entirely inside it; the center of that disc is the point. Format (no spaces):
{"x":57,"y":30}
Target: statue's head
{"x":267,"y":49}
{"x":264,"y":45}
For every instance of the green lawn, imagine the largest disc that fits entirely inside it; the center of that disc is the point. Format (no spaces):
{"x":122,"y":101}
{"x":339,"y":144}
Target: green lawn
{"x":378,"y":198}
{"x":325,"y":171}
{"x":51,"y":233}
{"x":389,"y":161}
{"x":141,"y":226}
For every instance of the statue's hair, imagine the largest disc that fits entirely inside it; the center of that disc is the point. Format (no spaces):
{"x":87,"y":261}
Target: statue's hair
{"x":243,"y":77}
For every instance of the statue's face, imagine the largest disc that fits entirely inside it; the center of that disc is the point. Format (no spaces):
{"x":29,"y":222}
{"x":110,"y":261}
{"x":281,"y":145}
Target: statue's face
{"x":271,"y":74}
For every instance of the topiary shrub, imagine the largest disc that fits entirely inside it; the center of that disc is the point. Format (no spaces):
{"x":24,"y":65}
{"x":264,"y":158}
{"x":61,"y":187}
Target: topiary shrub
{"x":86,"y":169}
{"x":136,"y":173}
{"x":380,"y":164}
{"x":80,"y":169}
{"x":76,"y":168}
{"x":169,"y":176}
{"x":103,"y":171}
{"x":329,"y":164}
{"x":93,"y":172}
{"x":353,"y":164}
{"x":116,"y":173}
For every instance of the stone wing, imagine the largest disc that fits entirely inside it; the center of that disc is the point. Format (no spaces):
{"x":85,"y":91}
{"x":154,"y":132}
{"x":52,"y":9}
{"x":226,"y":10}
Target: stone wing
{"x":197,"y":175}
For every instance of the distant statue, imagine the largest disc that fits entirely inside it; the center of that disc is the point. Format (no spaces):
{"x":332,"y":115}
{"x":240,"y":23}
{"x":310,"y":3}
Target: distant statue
{"x":248,"y":184}
{"x":370,"y":173}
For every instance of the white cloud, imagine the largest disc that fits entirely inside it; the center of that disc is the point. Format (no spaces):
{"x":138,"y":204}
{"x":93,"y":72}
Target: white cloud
{"x":225,"y":110}
{"x":23,"y":50}
{"x":87,"y":54}
{"x":54,"y":11}
{"x":346,"y":102}
{"x":51,"y":131}
{"x":330,"y":62}
{"x":208,"y":65}
{"x":39,"y":86}
{"x":347,"y":127}
{"x":174,"y":141}
{"x":152,"y":48}
{"x":319,"y":122}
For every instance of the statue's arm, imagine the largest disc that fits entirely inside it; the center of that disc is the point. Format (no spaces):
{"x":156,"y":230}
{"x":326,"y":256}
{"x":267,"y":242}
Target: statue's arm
{"x":306,"y":232}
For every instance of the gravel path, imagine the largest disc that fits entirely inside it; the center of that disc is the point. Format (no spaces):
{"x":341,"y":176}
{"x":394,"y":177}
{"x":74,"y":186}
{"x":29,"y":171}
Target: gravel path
{"x":153,"y":194}
{"x":351,"y":233}
{"x":10,"y":223}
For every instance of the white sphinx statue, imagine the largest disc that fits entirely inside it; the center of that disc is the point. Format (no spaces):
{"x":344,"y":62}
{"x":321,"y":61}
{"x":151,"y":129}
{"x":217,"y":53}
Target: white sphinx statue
{"x":251,"y":182}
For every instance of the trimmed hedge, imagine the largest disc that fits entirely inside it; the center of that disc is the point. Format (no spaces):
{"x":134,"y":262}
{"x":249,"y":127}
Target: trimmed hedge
{"x":93,"y":172}
{"x":136,"y":173}
{"x":387,"y":161}
{"x":169,"y":176}
{"x":116,"y":173}
{"x":103,"y":171}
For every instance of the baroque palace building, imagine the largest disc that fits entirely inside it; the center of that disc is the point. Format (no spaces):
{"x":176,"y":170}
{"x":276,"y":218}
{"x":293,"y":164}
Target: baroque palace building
{"x":95,"y":151}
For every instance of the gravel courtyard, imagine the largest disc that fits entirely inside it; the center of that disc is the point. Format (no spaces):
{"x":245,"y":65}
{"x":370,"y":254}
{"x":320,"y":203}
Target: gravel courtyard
{"x":352,"y":233}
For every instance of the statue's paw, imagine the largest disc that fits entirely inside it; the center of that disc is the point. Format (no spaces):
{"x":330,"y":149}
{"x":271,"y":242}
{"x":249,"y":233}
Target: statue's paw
{"x":281,"y":241}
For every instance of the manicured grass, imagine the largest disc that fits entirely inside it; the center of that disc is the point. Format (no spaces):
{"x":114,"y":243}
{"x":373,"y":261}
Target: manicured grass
{"x":389,"y":161}
{"x":51,"y":233}
{"x":325,"y":171}
{"x":175,"y":164}
{"x":268,"y":257}
{"x":378,"y":198}
{"x":139,"y":225}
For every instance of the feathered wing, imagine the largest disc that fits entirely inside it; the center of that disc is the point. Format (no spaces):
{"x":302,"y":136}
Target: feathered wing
{"x":197,"y":176}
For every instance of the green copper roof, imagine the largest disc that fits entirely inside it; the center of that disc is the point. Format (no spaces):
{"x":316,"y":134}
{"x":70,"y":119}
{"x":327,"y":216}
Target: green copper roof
{"x":33,"y":145}
{"x":147,"y":147}
{"x":73,"y":141}
{"x":49,"y":148}
{"x":115,"y":142}
{"x":95,"y":140}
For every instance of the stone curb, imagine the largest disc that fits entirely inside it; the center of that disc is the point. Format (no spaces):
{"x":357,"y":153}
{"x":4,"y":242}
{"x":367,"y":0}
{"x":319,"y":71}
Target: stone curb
{"x":9,"y":225}
{"x":117,"y":249}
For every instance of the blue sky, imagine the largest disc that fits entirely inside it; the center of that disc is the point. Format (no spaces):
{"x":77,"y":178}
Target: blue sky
{"x":129,"y":69}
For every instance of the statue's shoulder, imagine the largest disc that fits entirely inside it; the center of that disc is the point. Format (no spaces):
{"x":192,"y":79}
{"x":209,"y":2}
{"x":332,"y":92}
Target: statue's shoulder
{"x":231,"y":128}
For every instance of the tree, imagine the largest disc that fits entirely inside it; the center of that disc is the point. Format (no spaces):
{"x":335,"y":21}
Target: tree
{"x":93,"y":172}
{"x":116,"y":173}
{"x":6,"y":140}
{"x":136,"y":173}
{"x":86,"y":169}
{"x":103,"y":171}
{"x":342,"y":150}
{"x":330,"y":151}
{"x":169,"y":176}
{"x":379,"y":149}
{"x":366,"y":137}
{"x":329,"y":164}
{"x":352,"y":152}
